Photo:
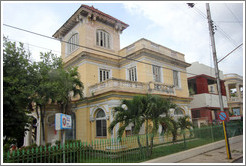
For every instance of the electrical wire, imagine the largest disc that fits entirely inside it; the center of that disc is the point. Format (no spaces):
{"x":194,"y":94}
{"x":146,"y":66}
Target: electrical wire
{"x":131,"y":59}
{"x":220,"y":29}
{"x":234,"y":15}
{"x":94,"y":50}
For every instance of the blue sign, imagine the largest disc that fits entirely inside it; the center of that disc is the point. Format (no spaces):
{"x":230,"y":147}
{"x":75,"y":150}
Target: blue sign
{"x":222,"y":116}
{"x":63,"y":121}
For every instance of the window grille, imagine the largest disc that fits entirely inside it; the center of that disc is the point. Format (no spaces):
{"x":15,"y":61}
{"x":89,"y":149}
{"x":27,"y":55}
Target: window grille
{"x":132,"y":74}
{"x":103,"y":39}
{"x":104,"y":75}
{"x":157,"y":73}
{"x":73,"y":43}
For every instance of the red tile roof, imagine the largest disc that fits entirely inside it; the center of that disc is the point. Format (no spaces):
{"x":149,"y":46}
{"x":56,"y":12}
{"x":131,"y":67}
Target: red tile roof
{"x":104,"y":14}
{"x":70,"y":23}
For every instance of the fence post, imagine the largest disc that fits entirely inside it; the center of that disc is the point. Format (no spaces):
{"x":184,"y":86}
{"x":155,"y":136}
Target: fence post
{"x":41,"y":154}
{"x":8,"y":156}
{"x":22,"y":152}
{"x":28,"y":155}
{"x":80,"y":149}
{"x":212,"y":133}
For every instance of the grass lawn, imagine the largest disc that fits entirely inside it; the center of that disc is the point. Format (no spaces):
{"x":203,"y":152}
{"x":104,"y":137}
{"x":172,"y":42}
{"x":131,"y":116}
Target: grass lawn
{"x":133,"y":156}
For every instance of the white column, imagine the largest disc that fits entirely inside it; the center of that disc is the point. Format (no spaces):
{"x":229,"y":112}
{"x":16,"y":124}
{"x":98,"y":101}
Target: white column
{"x":227,"y":91}
{"x":38,"y":139}
{"x":161,"y":138}
{"x":238,"y":91}
{"x":27,"y":137}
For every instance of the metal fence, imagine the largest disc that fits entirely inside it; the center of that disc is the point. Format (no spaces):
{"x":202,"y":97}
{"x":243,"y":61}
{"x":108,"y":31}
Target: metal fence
{"x":119,"y":150}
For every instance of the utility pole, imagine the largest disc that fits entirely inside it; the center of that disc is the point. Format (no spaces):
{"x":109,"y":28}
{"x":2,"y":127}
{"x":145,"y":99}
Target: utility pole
{"x":211,"y":32}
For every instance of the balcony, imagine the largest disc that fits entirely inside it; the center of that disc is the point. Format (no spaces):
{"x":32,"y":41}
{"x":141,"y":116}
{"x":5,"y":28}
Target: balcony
{"x":235,"y":99}
{"x":132,"y":87}
{"x":233,"y":76}
{"x":207,"y":100}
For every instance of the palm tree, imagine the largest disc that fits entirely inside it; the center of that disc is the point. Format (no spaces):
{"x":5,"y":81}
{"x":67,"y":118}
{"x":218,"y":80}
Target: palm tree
{"x":160,"y":107}
{"x":184,"y":123}
{"x":170,"y":125}
{"x":130,"y":111}
{"x":139,"y":110}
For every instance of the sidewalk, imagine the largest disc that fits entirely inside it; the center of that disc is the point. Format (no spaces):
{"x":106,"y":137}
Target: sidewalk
{"x":211,"y":153}
{"x":217,"y":155}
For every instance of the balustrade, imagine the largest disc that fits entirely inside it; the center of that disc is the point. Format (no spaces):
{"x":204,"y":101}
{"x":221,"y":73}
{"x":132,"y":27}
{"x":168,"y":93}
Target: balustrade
{"x":131,"y":86}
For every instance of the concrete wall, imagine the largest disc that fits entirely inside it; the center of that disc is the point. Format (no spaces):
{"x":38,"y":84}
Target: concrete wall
{"x":199,"y":68}
{"x":207,"y":100}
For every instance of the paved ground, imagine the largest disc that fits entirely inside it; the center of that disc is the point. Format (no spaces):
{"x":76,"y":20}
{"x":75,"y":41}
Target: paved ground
{"x":218,"y":155}
{"x":210,"y":153}
{"x":240,"y":160}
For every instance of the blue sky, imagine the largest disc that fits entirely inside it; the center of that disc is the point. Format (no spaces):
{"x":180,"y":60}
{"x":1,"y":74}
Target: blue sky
{"x":171,"y":24}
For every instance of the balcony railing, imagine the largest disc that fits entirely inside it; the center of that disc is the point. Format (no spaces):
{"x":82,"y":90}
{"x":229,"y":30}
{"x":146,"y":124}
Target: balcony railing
{"x":233,"y":76}
{"x":144,"y":43}
{"x":131,"y":86}
{"x":235,"y":99}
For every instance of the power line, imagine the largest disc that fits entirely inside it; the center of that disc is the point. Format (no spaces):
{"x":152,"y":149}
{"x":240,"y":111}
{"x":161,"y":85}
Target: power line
{"x":230,"y":53}
{"x":221,"y":30}
{"x":36,"y":46}
{"x":233,"y":15}
{"x":185,"y":72}
{"x":230,"y":22}
{"x":90,"y":48}
{"x":96,"y":50}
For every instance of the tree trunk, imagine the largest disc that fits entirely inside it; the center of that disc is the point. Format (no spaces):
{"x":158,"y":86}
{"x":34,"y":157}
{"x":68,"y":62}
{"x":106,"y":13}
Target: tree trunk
{"x":151,"y":144}
{"x":184,"y":140}
{"x":42,"y":121}
{"x":140,"y":145}
{"x":147,"y":139}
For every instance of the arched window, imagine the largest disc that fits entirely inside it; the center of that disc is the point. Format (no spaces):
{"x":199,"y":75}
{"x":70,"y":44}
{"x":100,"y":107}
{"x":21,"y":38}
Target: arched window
{"x":73,"y":43}
{"x":103,"y":38}
{"x":101,"y":124}
{"x":178,"y":112}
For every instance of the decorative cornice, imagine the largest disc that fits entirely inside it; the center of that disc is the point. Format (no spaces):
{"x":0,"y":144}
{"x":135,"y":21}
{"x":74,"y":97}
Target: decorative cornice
{"x":155,"y":55}
{"x":92,"y":14}
{"x":90,"y":56}
{"x":129,"y":95}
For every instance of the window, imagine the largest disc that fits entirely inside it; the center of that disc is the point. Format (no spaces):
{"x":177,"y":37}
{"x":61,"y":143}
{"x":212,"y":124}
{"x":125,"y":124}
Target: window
{"x":132,"y":74}
{"x":176,"y":78}
{"x":129,"y":132}
{"x":101,"y":124}
{"x":103,"y":39}
{"x":104,"y":75}
{"x":157,"y":73}
{"x":178,"y":112}
{"x":71,"y":46}
{"x":211,"y":89}
{"x":236,"y":111}
{"x":196,"y":114}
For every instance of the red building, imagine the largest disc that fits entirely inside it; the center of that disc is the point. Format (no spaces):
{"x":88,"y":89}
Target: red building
{"x":205,"y":105}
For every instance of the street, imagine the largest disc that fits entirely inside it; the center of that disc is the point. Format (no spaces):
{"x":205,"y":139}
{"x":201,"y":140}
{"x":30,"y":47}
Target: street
{"x":218,"y":155}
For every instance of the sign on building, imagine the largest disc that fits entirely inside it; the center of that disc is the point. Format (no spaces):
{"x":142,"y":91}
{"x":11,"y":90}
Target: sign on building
{"x":63,"y":121}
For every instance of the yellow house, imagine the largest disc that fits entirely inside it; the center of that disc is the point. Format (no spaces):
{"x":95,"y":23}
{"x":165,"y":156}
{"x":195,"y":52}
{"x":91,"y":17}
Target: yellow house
{"x":110,"y":74}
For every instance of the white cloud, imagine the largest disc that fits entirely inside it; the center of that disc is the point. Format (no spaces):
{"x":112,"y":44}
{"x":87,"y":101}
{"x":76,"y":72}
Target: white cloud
{"x":173,"y":25}
{"x":187,"y":29}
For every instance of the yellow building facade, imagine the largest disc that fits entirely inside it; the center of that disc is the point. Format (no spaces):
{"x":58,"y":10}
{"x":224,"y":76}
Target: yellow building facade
{"x":91,"y":41}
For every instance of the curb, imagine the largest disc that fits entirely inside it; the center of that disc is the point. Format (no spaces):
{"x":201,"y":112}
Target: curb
{"x":241,"y":156}
{"x":176,"y":157}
